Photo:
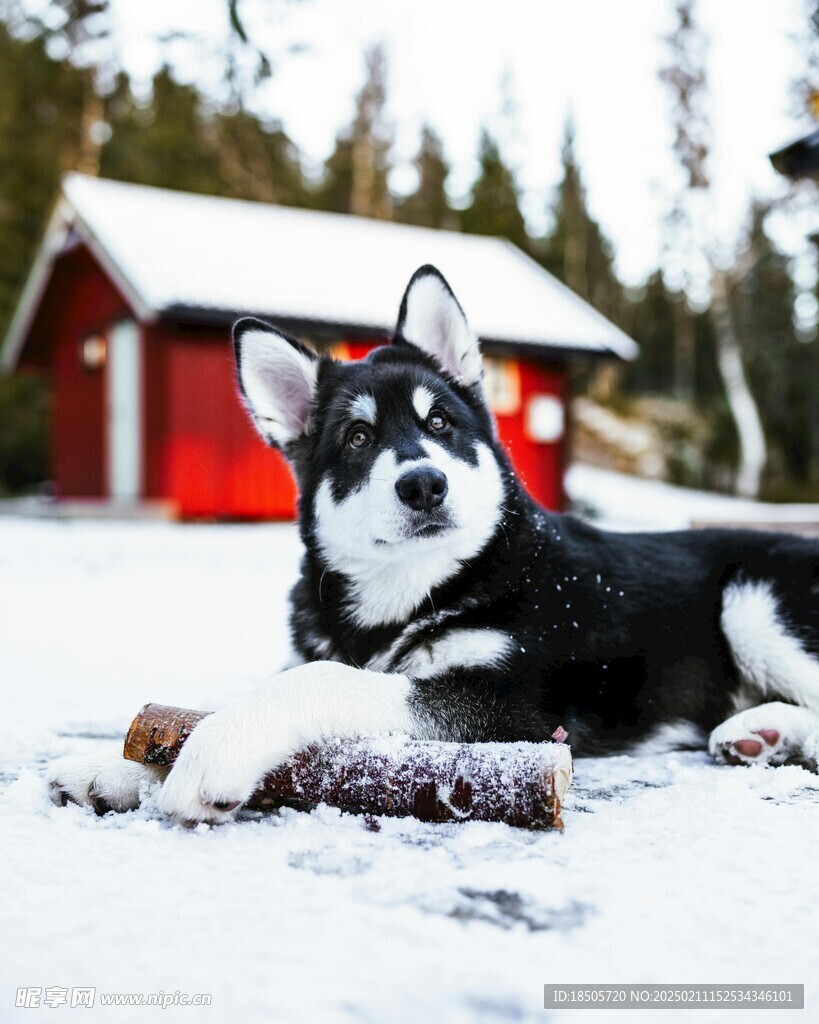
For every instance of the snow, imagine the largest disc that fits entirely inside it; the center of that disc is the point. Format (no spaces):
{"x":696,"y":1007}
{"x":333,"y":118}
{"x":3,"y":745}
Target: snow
{"x":166,"y":249}
{"x":618,"y":501}
{"x":670,"y":869}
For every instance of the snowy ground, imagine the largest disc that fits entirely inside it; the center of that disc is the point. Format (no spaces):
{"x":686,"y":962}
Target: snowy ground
{"x":621,"y":502}
{"x":670,"y":869}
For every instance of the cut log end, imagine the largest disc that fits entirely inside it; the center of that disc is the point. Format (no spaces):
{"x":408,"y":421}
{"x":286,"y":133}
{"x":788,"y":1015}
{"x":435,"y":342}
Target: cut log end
{"x":158,"y":733}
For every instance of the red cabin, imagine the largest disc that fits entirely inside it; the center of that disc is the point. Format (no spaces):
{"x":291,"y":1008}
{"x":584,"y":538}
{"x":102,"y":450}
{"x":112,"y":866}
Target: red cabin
{"x":128,"y":311}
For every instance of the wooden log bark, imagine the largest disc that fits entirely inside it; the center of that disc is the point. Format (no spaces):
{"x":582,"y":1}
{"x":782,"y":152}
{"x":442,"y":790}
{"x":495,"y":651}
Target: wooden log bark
{"x":521,"y":784}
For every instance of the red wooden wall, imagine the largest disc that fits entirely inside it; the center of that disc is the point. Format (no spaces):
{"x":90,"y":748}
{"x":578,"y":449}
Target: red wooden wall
{"x":79,"y":300}
{"x":200,"y":451}
{"x":539,"y":465}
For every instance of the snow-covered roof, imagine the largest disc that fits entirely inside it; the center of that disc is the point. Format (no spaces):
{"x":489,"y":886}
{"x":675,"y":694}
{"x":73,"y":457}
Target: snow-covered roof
{"x":169,"y":252}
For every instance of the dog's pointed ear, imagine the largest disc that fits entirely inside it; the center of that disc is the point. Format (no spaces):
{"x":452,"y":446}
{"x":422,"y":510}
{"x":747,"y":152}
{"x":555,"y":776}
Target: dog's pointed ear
{"x":431,"y":319}
{"x":277,"y":378}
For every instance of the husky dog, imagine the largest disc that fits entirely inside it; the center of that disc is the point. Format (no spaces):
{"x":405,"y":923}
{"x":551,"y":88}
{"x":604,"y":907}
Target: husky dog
{"x":437,"y":599}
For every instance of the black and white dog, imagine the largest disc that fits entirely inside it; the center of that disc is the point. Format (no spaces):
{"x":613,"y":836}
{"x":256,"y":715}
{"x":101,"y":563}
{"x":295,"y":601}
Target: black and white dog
{"x":436,"y":599}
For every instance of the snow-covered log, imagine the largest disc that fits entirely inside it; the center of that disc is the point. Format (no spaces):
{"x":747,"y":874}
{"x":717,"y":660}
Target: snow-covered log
{"x":521,"y":784}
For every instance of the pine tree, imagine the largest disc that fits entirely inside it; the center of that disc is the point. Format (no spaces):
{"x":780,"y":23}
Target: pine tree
{"x":76,"y":32}
{"x":652,"y":327}
{"x":41,"y":122}
{"x":23,"y":432}
{"x":56,"y":117}
{"x":576,"y":251}
{"x":806,"y":85}
{"x":494,"y":204}
{"x":162,"y":142}
{"x":783,"y":369}
{"x":256,"y":160}
{"x":429,"y":204}
{"x":177,"y":140}
{"x":41,"y":106}
{"x":685,"y":77}
{"x":356,"y":172}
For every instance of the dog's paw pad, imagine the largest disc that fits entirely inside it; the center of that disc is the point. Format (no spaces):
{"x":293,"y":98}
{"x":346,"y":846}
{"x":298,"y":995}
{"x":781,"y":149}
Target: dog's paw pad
{"x":771,"y":736}
{"x":747,"y":748}
{"x":734,"y":744}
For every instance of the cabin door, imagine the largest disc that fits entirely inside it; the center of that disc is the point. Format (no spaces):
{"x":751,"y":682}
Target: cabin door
{"x":124,"y":411}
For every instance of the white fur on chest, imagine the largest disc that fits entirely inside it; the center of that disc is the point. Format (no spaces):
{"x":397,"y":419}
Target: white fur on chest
{"x":389,"y":592}
{"x":460,"y":648}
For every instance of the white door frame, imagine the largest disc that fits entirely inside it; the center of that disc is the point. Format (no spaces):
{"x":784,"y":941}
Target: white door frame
{"x":124,"y":410}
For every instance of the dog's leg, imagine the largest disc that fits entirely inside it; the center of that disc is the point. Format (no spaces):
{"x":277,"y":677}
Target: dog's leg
{"x":102,"y":779}
{"x":768,"y":734}
{"x":771,"y":658}
{"x":229,"y":752}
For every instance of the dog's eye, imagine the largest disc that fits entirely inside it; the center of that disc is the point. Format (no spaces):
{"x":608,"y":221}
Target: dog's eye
{"x":437,"y":421}
{"x":359,"y":438}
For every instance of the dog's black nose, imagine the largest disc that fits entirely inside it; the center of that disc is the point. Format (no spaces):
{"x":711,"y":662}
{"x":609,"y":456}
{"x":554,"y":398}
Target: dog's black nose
{"x":422,"y":489}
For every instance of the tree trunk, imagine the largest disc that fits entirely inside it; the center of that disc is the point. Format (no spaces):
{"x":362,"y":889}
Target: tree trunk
{"x":93,"y":115}
{"x":752,"y":445}
{"x":684,"y":350}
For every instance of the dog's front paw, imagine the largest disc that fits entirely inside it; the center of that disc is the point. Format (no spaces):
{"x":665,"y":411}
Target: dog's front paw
{"x":103,"y":780}
{"x":216,"y":772}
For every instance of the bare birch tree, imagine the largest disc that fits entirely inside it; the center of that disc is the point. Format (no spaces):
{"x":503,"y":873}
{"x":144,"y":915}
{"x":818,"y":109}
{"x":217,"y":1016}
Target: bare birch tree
{"x":686,"y":78}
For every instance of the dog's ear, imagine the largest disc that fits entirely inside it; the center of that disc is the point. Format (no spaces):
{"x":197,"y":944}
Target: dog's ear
{"x":277,"y":377}
{"x":431,"y":319}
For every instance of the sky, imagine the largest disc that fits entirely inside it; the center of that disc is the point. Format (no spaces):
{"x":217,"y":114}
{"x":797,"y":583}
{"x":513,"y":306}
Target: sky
{"x":519,"y":68}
